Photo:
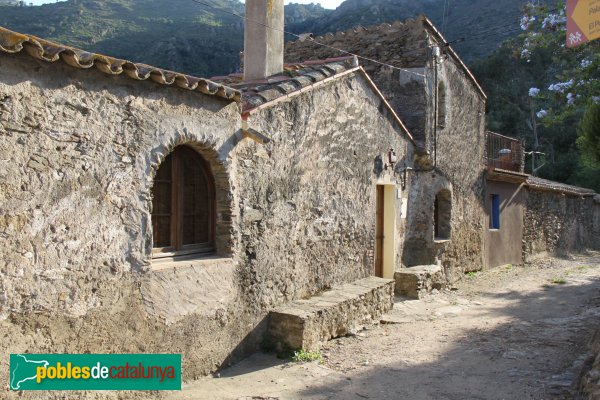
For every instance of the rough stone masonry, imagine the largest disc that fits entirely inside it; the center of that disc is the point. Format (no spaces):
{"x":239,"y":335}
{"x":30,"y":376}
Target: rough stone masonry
{"x":444,"y":108}
{"x":78,"y":153}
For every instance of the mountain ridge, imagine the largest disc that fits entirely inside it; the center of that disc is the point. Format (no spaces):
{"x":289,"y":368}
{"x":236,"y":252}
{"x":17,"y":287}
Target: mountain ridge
{"x":186,"y":36}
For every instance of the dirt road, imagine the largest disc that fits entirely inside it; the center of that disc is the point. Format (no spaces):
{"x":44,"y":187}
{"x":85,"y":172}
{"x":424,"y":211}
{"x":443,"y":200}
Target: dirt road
{"x":507,"y":333}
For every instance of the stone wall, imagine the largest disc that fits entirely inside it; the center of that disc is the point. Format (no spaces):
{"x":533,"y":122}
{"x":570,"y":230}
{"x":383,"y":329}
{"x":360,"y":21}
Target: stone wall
{"x":78,"y":151}
{"x":558,"y":223}
{"x":310,"y":193}
{"x":456,"y":146}
{"x":420,"y":246}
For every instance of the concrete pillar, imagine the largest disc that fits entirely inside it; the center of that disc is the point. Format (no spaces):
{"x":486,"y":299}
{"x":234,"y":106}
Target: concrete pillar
{"x":263,"y":47}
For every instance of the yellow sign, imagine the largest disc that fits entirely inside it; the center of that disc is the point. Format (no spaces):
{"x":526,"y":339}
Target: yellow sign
{"x":583,"y":21}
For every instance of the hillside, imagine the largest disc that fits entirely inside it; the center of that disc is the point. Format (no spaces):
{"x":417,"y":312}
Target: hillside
{"x":186,"y":36}
{"x":483,"y":24}
{"x":298,"y":13}
{"x":179,"y":35}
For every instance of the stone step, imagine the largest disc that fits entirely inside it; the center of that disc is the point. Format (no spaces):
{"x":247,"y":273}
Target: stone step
{"x":415,"y":282}
{"x":305,"y":324}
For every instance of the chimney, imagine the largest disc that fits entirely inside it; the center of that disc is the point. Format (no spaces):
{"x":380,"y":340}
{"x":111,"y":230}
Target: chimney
{"x":263,"y":47}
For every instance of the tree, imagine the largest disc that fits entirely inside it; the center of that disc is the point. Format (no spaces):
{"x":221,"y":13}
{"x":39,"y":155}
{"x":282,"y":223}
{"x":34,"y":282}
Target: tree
{"x":576,"y":71}
{"x":589,"y":133}
{"x":569,"y":102}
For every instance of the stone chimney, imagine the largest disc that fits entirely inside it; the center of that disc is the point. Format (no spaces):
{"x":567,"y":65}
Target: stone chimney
{"x":263,"y":47}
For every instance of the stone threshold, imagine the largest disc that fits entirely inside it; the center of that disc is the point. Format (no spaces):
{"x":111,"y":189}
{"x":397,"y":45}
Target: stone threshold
{"x":305,"y":324}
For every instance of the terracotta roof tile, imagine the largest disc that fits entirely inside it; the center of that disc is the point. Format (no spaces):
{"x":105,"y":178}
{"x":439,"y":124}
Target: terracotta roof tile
{"x":544,"y":184}
{"x":294,"y":78}
{"x":13,"y":42}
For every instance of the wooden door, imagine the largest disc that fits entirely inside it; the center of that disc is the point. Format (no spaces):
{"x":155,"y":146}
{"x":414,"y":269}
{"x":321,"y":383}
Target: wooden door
{"x":379,"y":232}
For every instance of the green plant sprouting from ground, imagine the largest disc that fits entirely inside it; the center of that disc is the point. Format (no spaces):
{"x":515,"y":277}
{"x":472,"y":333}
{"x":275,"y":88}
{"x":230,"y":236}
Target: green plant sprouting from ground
{"x":471,"y":274}
{"x":559,"y":281}
{"x":307,"y":356}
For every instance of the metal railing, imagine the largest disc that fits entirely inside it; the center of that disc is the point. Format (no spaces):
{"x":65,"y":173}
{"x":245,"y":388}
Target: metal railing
{"x":503,"y":152}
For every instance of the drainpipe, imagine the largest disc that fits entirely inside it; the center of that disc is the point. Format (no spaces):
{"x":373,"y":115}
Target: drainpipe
{"x":436,"y":54}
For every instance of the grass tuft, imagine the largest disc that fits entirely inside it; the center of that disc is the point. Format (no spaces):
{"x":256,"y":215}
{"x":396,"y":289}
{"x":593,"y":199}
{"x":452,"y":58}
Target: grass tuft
{"x":307,"y":356}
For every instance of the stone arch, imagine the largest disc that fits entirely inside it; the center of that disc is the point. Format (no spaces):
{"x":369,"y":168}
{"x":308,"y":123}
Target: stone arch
{"x":223,"y":205}
{"x":442,"y":215}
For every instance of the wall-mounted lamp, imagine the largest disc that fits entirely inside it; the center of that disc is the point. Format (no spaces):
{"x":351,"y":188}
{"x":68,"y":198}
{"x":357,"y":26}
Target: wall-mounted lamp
{"x":391,"y":159}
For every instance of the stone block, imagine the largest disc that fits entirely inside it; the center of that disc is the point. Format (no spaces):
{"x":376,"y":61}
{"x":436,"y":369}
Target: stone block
{"x":307,"y":323}
{"x":414,"y":282}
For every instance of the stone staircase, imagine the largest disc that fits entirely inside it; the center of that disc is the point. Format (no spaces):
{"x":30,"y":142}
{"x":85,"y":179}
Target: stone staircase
{"x":305,"y":324}
{"x":414,"y":282}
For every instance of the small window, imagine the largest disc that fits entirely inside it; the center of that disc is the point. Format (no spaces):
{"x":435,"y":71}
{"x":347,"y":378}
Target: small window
{"x":495,"y":211}
{"x":182,"y":205}
{"x":442,"y":213}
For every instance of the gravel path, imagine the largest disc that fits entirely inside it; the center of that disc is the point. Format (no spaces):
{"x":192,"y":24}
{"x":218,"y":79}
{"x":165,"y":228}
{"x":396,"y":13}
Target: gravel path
{"x":506,"y":333}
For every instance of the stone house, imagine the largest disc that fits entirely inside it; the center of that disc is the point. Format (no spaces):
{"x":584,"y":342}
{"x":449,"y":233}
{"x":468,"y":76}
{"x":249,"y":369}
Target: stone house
{"x":529,"y":216}
{"x":443,"y":106}
{"x":470,"y":205}
{"x":145,"y":210}
{"x":504,"y":199}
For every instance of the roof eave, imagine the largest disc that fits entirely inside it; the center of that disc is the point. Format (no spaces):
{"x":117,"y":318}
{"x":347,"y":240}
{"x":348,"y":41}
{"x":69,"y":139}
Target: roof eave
{"x":41,"y":49}
{"x":455,"y":56}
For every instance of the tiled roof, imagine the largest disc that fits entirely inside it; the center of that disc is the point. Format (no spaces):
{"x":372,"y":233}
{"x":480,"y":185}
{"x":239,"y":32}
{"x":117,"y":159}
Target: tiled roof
{"x":298,"y":78}
{"x":399,"y":43}
{"x":295,"y":77}
{"x":12,"y":42}
{"x":544,"y":184}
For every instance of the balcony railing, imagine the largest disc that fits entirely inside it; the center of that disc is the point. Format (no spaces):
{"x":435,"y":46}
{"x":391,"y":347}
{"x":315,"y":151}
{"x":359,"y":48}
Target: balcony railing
{"x":503,"y":152}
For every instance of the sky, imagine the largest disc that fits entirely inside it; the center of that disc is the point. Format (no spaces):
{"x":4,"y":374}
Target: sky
{"x":325,"y":3}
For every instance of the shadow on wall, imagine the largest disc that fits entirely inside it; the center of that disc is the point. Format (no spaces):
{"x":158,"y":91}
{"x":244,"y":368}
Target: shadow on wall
{"x":252,"y":342}
{"x":478,"y":189}
{"x":508,"y":362}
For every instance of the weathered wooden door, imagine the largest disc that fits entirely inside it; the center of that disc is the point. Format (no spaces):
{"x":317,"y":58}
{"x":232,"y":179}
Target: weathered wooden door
{"x":379,"y":232}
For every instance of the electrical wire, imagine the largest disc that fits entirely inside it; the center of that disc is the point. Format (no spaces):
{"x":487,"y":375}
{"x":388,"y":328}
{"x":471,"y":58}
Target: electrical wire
{"x":446,"y":17}
{"x":479,"y":37}
{"x":495,"y":30}
{"x":500,"y":29}
{"x":303,"y":38}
